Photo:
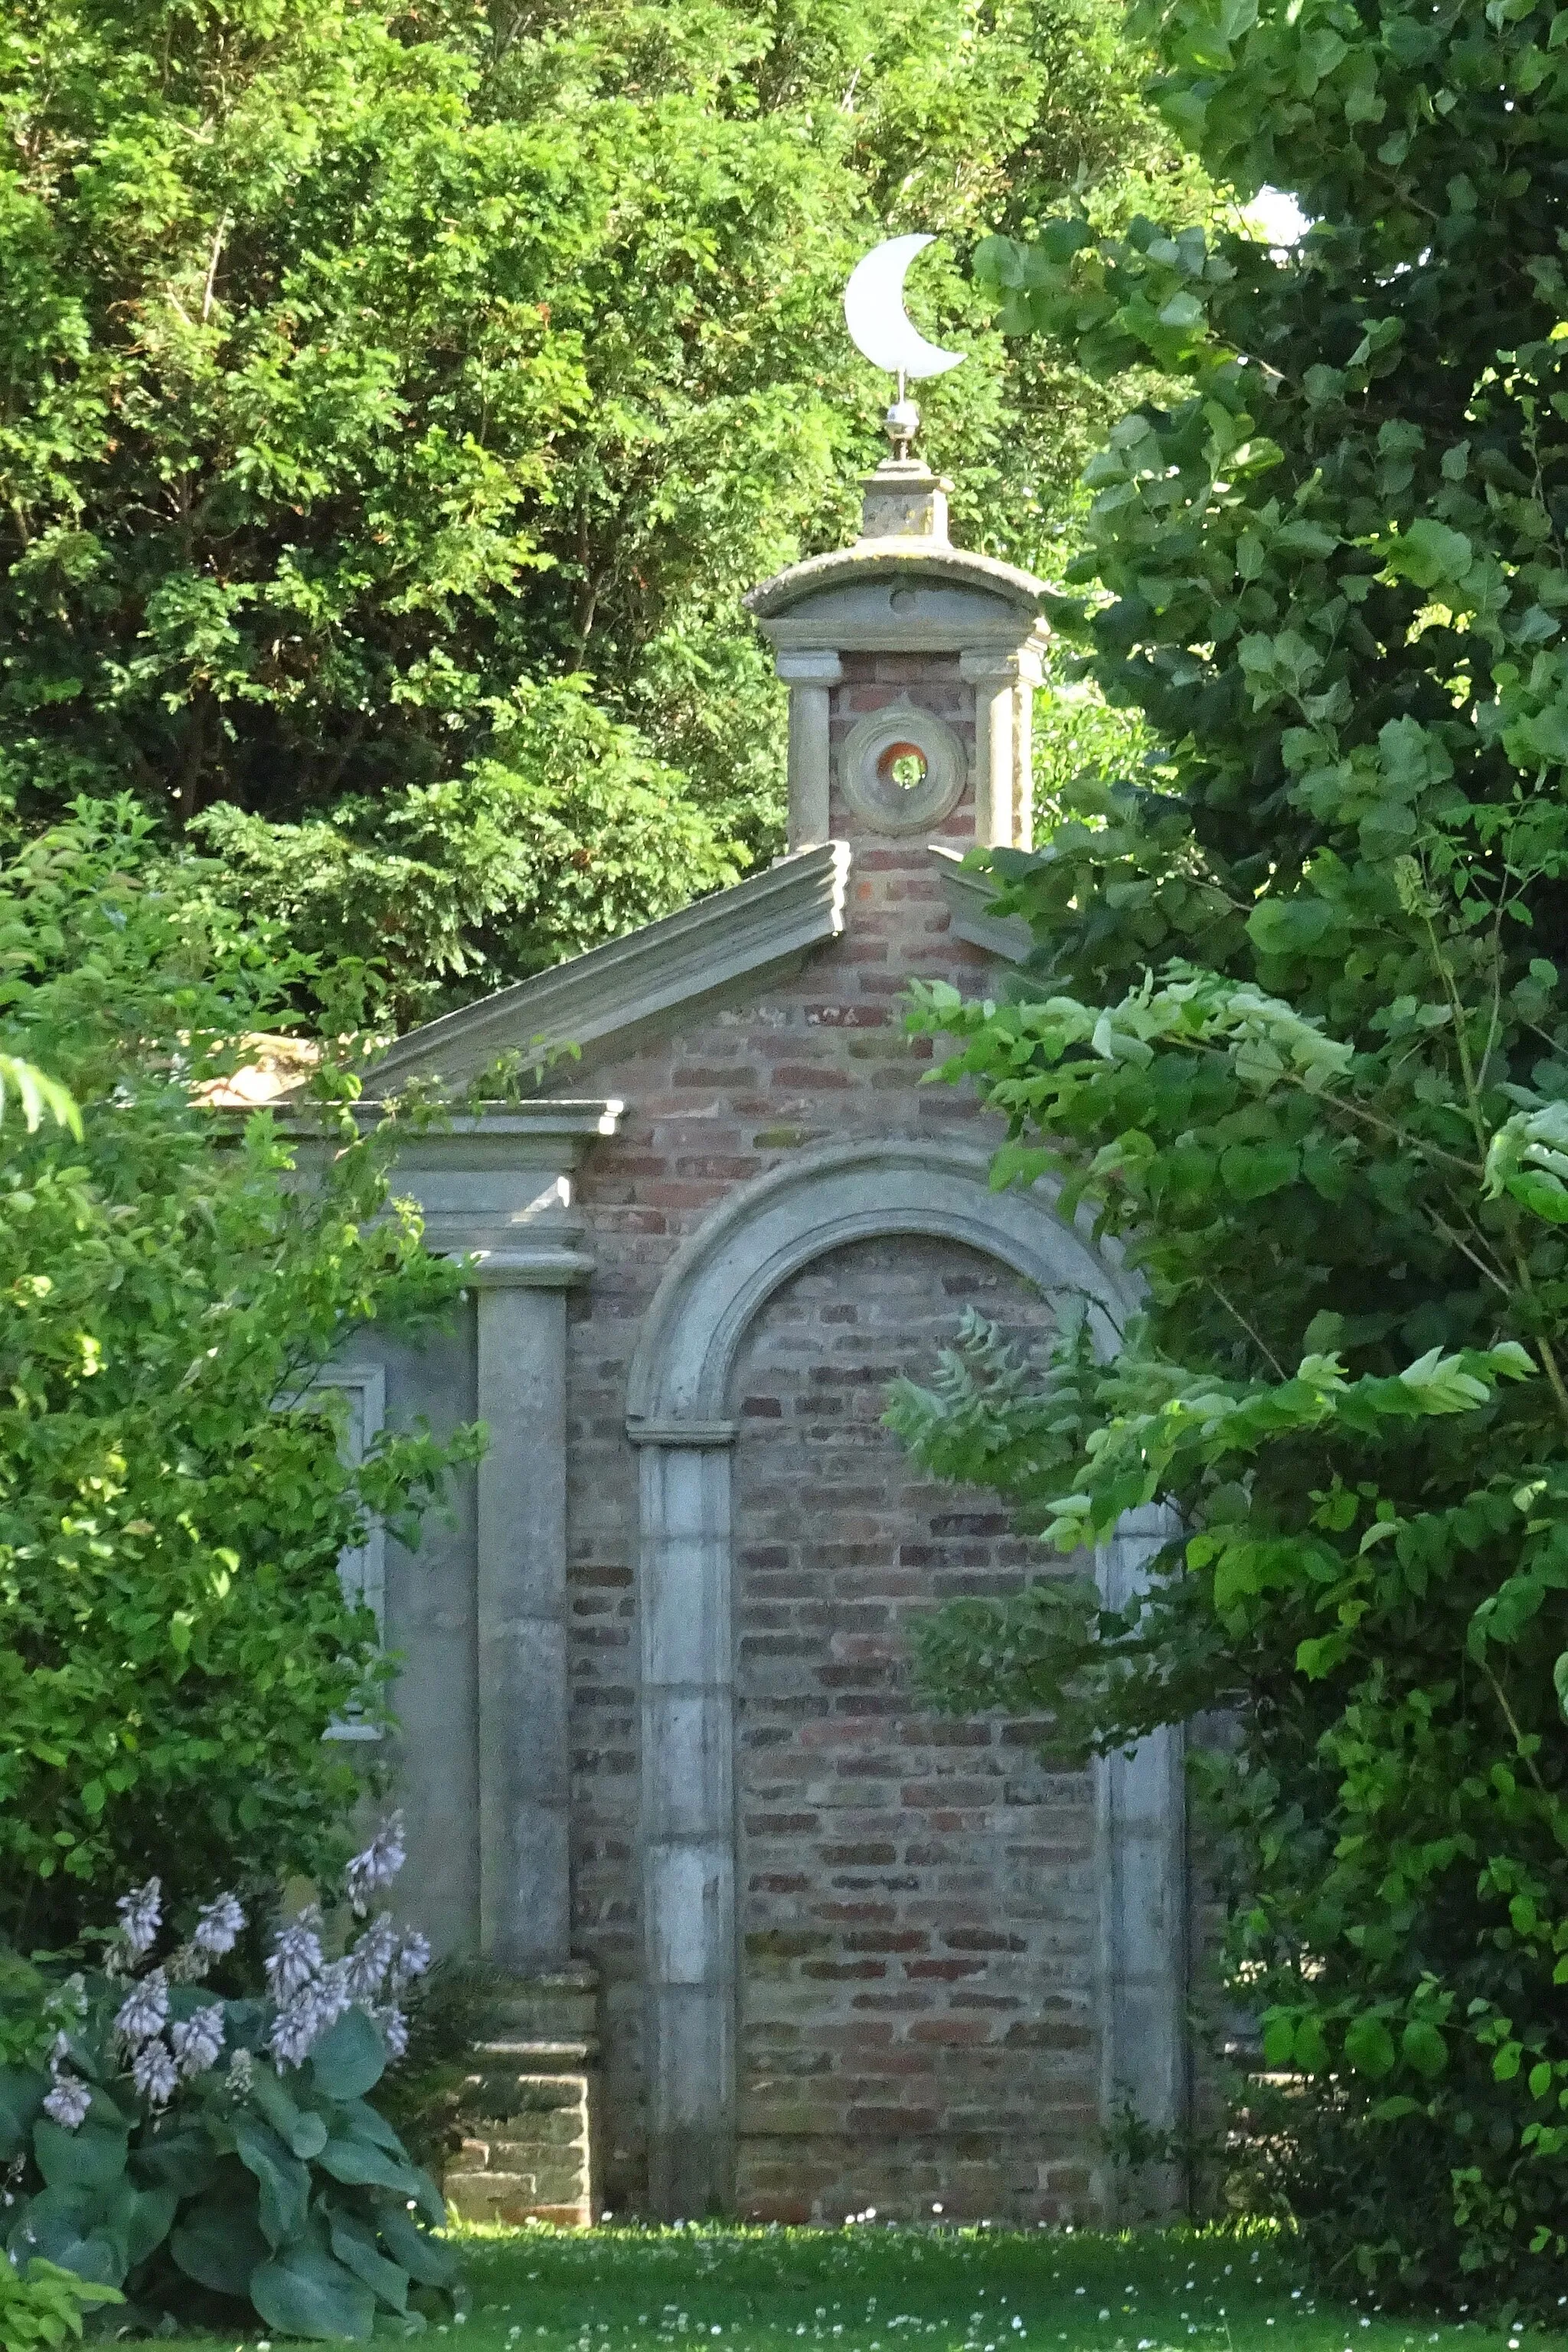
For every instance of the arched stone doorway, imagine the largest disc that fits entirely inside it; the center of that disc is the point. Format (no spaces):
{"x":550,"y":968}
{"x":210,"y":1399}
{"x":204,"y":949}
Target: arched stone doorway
{"x":680,"y":1412}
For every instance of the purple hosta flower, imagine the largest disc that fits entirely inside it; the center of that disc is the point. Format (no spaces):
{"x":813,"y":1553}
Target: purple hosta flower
{"x":378,"y":1866}
{"x":295,"y":1957}
{"x":241,"y":2074}
{"x":67,"y":2103}
{"x":372,"y":1955}
{"x":198,"y":2039}
{"x":142,"y":2012}
{"x":218,"y":1924}
{"x":154,"y":2072}
{"x":302,"y":2021}
{"x":411,"y":1959}
{"x":140,"y":1913}
{"x":393,"y":2029}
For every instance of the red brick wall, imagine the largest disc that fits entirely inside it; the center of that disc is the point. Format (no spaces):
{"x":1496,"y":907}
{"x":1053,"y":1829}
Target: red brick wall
{"x":821,"y":1057}
{"x":870,"y":682}
{"x":916,"y":1905}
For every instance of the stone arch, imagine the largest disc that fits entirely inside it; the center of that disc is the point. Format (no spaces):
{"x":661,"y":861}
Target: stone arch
{"x":678,"y":1395}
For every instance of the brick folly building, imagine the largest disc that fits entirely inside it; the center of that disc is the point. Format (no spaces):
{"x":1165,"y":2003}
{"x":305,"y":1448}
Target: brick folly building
{"x":782,"y":1943}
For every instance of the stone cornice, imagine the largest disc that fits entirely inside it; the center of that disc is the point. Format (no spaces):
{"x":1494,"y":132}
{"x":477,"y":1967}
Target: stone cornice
{"x":615,"y":993}
{"x":969,"y":897}
{"x":904,"y":558}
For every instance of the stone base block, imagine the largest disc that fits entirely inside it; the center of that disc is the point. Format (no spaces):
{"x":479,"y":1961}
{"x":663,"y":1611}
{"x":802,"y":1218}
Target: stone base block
{"x":530,"y":2109}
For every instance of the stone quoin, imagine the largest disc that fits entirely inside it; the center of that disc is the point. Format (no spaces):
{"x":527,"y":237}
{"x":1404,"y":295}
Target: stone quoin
{"x":778,"y":1941}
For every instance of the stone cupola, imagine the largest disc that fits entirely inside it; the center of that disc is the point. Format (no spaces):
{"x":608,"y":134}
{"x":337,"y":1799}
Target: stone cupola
{"x":911,"y":666}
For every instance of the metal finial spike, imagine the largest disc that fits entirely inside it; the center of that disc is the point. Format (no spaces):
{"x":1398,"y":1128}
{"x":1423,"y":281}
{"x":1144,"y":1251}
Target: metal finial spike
{"x":901,"y":424}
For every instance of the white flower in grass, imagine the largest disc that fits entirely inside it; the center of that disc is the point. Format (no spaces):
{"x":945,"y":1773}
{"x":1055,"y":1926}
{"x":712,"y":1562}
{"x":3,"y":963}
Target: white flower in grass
{"x":68,"y":2102}
{"x":378,"y":1866}
{"x":154,"y":2072}
{"x":295,"y":1957}
{"x":141,"y":1911}
{"x":218,"y":1927}
{"x":198,"y":2039}
{"x":372,"y":1955}
{"x":142,"y":2012}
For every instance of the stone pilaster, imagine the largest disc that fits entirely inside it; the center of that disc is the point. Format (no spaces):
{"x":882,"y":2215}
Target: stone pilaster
{"x":811,"y":677}
{"x":687,"y":1814}
{"x":524,"y":1751}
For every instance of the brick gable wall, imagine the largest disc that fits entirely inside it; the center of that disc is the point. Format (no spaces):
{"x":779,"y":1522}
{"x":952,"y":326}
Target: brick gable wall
{"x":820,"y":1057}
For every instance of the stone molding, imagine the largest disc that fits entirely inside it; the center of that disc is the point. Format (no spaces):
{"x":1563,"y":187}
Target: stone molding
{"x":617,"y":993}
{"x":676,"y":1393}
{"x":838,"y":1192}
{"x":969,"y":896}
{"x":546,"y":1268}
{"x":915,"y":557}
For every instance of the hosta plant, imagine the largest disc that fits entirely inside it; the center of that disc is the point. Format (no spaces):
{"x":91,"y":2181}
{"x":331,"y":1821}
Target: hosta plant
{"x":200,"y":2150}
{"x":42,"y":2304}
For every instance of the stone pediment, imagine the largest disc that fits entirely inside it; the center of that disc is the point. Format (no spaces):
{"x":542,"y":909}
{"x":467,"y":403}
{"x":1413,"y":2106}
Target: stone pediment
{"x":895,"y":595}
{"x":616,"y":994}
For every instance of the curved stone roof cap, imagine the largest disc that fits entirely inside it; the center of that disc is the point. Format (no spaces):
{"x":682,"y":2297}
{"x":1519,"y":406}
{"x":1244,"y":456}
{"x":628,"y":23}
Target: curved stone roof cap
{"x":880,"y":559}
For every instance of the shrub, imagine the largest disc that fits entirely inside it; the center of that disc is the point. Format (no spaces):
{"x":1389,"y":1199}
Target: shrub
{"x":1295,"y":1035}
{"x":189,"y":2147}
{"x":174,"y":1498}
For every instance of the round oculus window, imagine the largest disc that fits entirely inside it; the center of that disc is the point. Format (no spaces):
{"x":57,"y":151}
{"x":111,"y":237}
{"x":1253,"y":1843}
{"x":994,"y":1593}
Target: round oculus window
{"x":903,"y":768}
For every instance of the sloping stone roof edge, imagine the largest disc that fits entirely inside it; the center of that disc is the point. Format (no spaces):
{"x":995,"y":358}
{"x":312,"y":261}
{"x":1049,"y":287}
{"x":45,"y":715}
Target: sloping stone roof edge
{"x":969,"y":896}
{"x":616,"y":991}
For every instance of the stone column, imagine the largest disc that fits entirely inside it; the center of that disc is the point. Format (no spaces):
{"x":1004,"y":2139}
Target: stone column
{"x":1003,"y":687}
{"x":810,"y":676}
{"x":1141,"y":1821}
{"x":520,"y":1605}
{"x":689,"y":1814}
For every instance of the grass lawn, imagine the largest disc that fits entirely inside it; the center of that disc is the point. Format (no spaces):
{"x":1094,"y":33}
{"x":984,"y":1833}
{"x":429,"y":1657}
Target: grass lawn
{"x":877,"y":2289}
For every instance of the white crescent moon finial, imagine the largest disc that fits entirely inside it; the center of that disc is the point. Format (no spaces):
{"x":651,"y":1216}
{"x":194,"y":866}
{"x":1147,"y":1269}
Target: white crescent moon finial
{"x":878,"y":324}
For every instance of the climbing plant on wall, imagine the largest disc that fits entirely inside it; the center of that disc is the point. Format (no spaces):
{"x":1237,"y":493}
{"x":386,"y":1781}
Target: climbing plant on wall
{"x":1295,"y":1031}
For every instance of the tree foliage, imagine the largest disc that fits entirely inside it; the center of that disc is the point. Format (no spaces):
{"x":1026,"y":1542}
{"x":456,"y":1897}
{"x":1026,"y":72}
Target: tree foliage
{"x":370,"y":376}
{"x":1294,"y":1032}
{"x":174,"y":1642}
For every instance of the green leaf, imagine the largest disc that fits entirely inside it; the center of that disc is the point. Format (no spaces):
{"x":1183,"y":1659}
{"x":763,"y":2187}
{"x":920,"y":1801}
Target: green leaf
{"x":1369,"y":2046}
{"x":1251,"y":1170}
{"x":1425,"y":2049}
{"x":283,"y":2182}
{"x":424,"y":2258}
{"x":23,"y":2090}
{"x":88,"y":2158}
{"x":350,"y":2059}
{"x":354,"y":2246}
{"x":219,"y":2242}
{"x":1291,"y":925}
{"x":1429,"y":551}
{"x":66,"y":2226}
{"x":1311,"y":2052}
{"x":356,"y":2163}
{"x":305,"y":2293}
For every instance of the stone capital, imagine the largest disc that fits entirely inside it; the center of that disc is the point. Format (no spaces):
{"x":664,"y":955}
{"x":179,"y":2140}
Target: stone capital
{"x":808,"y":665}
{"x":995,"y":666}
{"x":548,"y":1267}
